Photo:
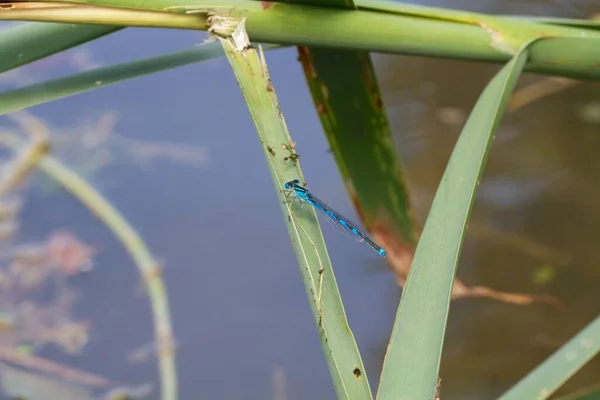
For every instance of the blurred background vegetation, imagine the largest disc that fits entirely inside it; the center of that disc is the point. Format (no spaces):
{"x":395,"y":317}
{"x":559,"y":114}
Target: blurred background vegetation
{"x":169,"y":160}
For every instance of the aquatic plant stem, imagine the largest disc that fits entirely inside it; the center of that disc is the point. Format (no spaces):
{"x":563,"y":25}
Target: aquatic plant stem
{"x":149,"y":268}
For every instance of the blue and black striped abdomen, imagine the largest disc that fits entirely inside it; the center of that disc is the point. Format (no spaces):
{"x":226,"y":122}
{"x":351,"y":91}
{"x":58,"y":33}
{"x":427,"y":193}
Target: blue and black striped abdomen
{"x":339,"y":222}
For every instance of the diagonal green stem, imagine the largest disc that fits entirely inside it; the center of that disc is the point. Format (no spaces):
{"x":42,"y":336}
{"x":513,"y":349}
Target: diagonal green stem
{"x":430,"y":33}
{"x":559,"y":367}
{"x":337,"y":341}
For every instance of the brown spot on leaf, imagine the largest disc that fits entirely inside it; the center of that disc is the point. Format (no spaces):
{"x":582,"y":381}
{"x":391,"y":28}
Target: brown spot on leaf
{"x":305,"y":60}
{"x":321,"y":108}
{"x":378,"y":103}
{"x":357,"y":373}
{"x":153,"y":273}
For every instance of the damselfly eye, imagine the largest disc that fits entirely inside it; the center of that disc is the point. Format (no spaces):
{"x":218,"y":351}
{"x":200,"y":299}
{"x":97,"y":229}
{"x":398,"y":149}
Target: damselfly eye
{"x":290,"y":184}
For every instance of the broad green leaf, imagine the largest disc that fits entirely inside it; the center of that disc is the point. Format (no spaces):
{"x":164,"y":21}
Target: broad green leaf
{"x":100,"y":77}
{"x":559,"y":367}
{"x":341,"y":352}
{"x":346,"y":94}
{"x":412,"y":360}
{"x":25,"y":43}
{"x":348,"y":101}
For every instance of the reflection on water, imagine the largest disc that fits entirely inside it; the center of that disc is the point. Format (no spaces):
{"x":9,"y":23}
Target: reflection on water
{"x":511,"y":192}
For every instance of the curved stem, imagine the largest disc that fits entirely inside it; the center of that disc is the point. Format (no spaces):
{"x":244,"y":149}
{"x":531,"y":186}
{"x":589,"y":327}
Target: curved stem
{"x":28,"y":155}
{"x":149,"y":268}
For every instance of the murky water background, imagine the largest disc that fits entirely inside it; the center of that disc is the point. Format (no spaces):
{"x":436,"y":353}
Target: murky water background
{"x":241,"y":317}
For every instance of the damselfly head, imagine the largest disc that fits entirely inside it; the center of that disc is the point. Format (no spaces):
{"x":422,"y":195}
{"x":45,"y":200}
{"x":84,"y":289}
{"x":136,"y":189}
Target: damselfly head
{"x":291,"y":184}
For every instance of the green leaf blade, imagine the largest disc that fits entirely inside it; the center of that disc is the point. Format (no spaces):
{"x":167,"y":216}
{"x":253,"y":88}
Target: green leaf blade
{"x":559,"y":367}
{"x":412,"y":360}
{"x":339,"y":346}
{"x":26,"y":43}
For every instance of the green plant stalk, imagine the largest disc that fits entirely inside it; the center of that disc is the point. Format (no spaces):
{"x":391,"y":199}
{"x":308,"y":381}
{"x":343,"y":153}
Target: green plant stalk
{"x":412,"y":360}
{"x":28,"y":155}
{"x":98,"y":15}
{"x":150,"y":269}
{"x":43,"y":39}
{"x":491,"y":39}
{"x":559,"y":367}
{"x":341,"y":352}
{"x":574,"y":23}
